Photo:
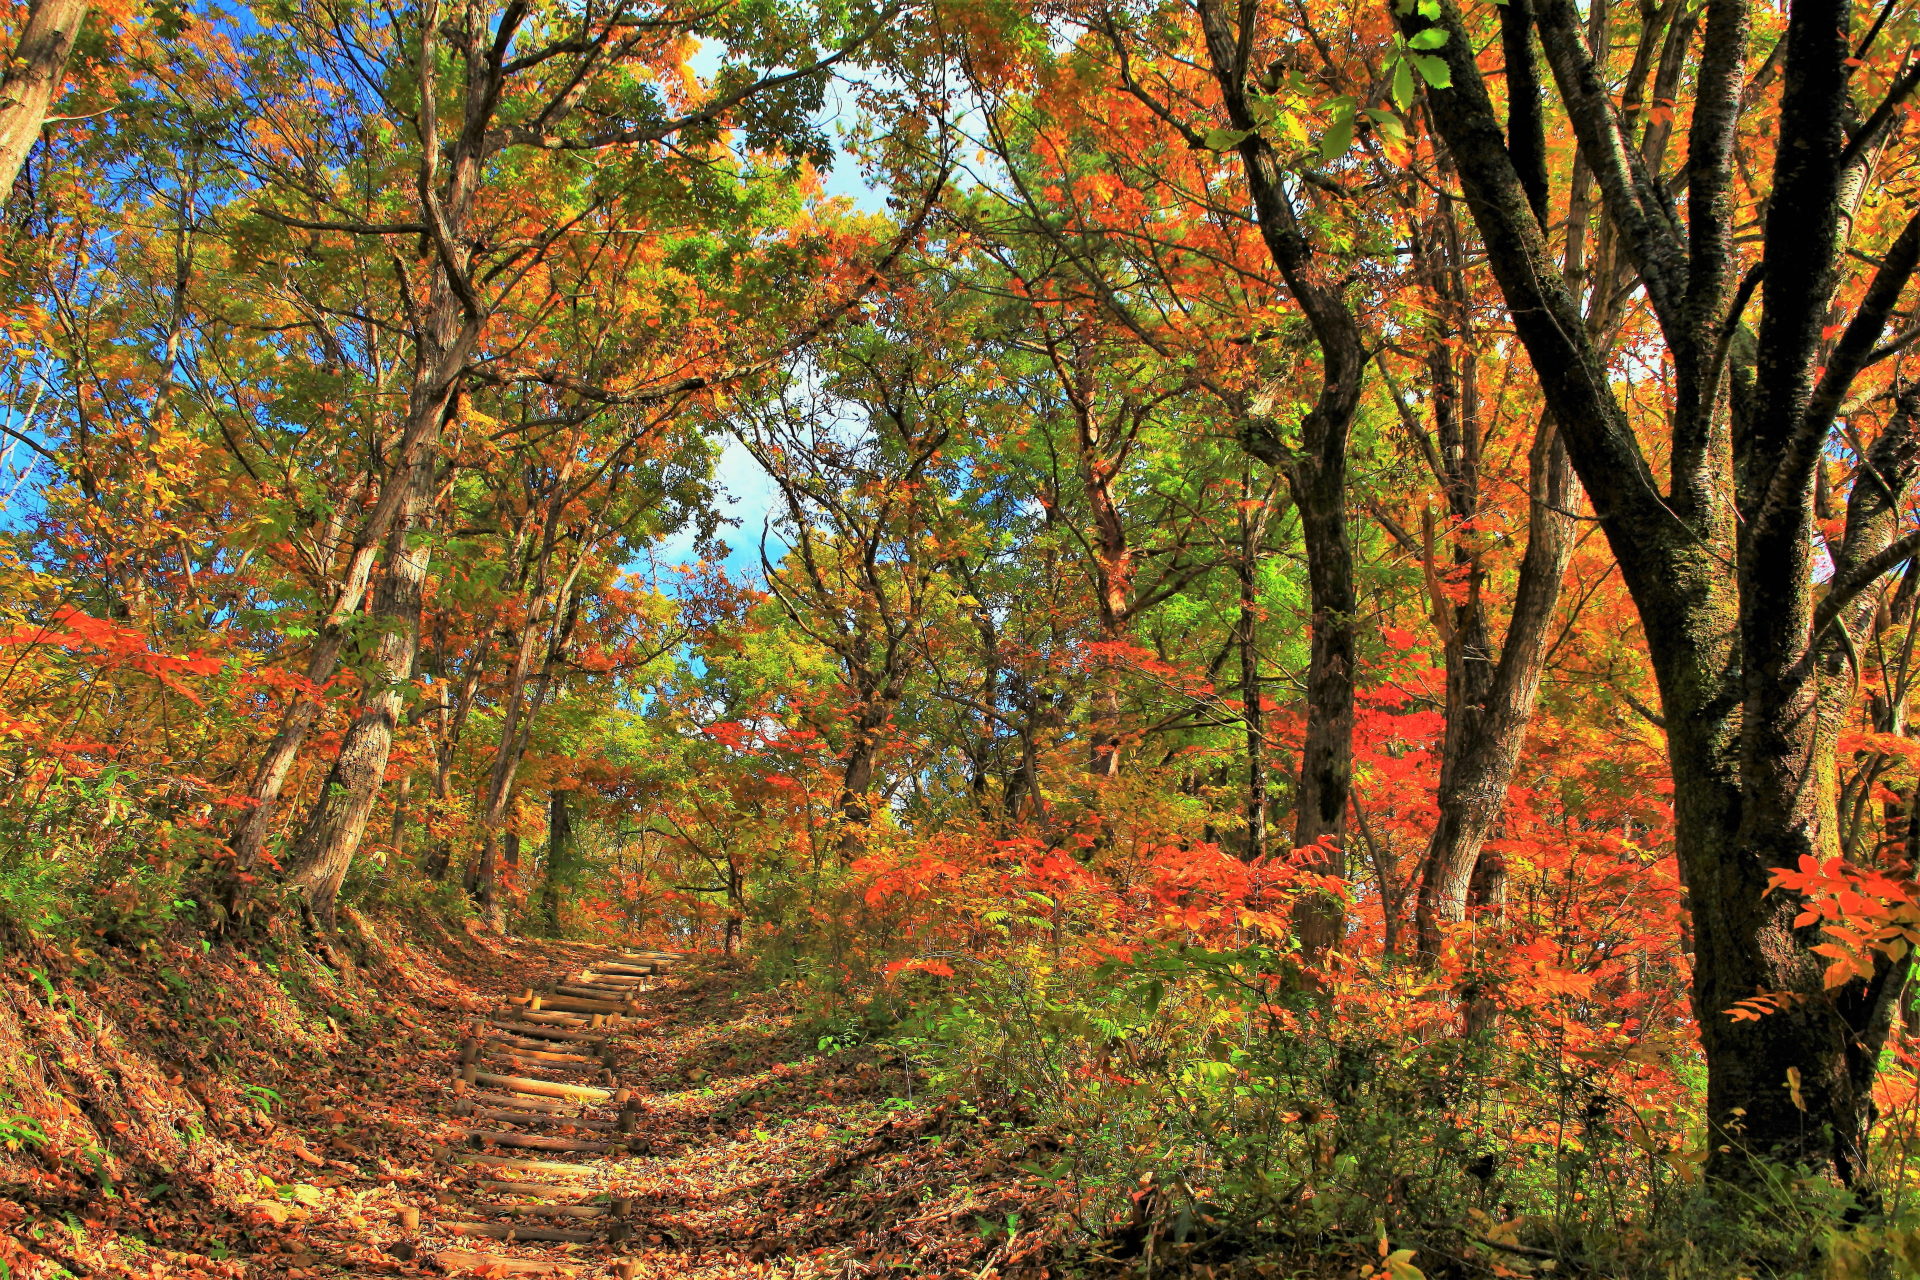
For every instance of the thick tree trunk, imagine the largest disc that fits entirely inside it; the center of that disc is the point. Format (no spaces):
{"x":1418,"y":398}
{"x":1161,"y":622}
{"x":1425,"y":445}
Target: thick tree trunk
{"x":31,"y":79}
{"x":856,"y":778}
{"x":323,"y":660}
{"x":338,"y":820}
{"x":451,"y":323}
{"x":1718,"y":561}
{"x":1316,"y":473}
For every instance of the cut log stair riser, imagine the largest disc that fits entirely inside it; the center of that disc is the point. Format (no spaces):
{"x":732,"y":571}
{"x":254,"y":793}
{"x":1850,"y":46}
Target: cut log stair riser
{"x":625,"y":981}
{"x":613,"y":995}
{"x":495,"y":1046}
{"x":537,"y":1003}
{"x":565,"y":1021}
{"x":535,"y":1141}
{"x":501,"y":1058}
{"x":553,"y":1035}
{"x":514,"y":1115}
{"x":571,"y":1028}
{"x":541,"y":1088}
{"x":545,"y":1191}
{"x":520,"y":1101}
{"x":460,"y":1260}
{"x":540,"y":1051}
{"x":614,"y":1233}
{"x":547,"y":1210}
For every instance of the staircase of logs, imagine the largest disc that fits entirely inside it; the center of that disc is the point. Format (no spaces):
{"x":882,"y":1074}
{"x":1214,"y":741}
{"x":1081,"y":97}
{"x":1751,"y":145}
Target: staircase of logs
{"x":538,"y":1092}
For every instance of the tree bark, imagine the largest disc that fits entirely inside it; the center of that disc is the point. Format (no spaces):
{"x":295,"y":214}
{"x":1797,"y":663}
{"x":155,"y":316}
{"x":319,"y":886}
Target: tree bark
{"x":1316,"y":474}
{"x":1487,"y":723}
{"x":1326,"y":758}
{"x":31,"y":78}
{"x":856,"y":773}
{"x":1253,"y":527}
{"x":449,"y":326}
{"x":338,"y":820}
{"x":1718,"y":561}
{"x":323,"y":660}
{"x":560,"y":861}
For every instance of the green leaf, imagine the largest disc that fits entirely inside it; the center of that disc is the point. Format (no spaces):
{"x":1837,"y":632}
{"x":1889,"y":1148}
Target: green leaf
{"x":1402,"y":84}
{"x":1226,"y":139}
{"x":1433,"y":70}
{"x":1339,"y":134}
{"x":1431,"y":38}
{"x":1387,"y":123}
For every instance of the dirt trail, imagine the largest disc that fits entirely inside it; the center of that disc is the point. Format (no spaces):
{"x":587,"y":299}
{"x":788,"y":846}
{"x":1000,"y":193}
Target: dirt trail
{"x":415,"y":1114}
{"x":634,"y":1116}
{"x":539,"y":1086}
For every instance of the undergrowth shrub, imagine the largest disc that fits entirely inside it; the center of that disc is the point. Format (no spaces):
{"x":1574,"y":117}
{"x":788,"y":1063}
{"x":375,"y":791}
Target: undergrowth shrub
{"x":106,"y":854}
{"x":1208,"y":1111}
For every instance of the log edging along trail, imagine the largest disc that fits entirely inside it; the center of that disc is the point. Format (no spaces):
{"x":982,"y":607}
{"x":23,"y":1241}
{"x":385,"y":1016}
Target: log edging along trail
{"x":575,"y":1027}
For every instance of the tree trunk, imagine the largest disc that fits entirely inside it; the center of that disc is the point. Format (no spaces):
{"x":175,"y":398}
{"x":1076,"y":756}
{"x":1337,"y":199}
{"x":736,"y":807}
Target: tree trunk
{"x":1253,"y":526}
{"x":560,"y":860}
{"x":1718,"y":561}
{"x":1489,"y":705}
{"x":31,"y":79}
{"x":856,"y":778}
{"x":323,"y":661}
{"x":523,"y":701}
{"x":1316,"y":473}
{"x":338,"y":820}
{"x":1326,"y":760}
{"x":451,"y":322}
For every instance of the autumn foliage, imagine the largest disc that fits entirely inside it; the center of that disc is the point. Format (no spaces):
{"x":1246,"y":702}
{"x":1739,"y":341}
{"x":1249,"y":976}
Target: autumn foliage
{"x":1316,"y":599}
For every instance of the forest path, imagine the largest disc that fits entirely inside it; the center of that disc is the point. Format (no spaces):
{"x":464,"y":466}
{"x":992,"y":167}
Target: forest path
{"x":634,"y":1115}
{"x":544,"y":1121}
{"x":563,"y":1110}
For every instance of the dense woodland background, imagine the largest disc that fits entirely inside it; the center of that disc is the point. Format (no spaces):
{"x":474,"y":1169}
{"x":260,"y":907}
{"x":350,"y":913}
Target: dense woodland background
{"x":1331,"y":608}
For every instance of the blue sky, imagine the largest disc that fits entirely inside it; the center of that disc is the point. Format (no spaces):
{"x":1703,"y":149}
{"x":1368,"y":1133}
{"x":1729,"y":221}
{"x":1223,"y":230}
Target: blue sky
{"x":745,"y":492}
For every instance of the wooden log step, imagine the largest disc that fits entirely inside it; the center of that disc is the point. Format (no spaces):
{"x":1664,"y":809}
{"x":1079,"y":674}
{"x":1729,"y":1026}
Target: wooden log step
{"x":546,"y":1088}
{"x":603,"y":995}
{"x":534,"y":1141}
{"x":542,"y":1061}
{"x":631,"y":970}
{"x":531,"y":1190}
{"x":479,"y":1160}
{"x":570,"y":1004}
{"x":558,"y":1110}
{"x":510,"y":1115}
{"x":514,"y":1231}
{"x":547,"y":1050}
{"x":549,"y":1210}
{"x":553,"y":1035}
{"x":495,"y":1045}
{"x":632,"y":981}
{"x":565,"y":1021}
{"x":495,"y":1265}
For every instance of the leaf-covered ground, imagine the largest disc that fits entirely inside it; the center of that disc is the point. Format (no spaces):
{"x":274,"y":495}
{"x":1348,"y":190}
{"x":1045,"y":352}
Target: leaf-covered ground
{"x":229,"y":1114}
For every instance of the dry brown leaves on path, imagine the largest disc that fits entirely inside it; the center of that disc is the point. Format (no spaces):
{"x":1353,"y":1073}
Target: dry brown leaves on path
{"x":491,"y":1108}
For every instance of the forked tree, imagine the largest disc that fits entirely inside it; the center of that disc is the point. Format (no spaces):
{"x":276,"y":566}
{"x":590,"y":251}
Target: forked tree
{"x":1753,"y":645}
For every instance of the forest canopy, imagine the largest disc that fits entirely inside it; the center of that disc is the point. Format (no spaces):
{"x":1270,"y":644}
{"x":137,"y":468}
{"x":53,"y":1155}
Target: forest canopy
{"x":1320,"y":594}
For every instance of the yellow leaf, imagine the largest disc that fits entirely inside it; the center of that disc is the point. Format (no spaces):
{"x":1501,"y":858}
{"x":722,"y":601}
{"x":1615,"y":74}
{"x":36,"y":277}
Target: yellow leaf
{"x":1400,"y":1266}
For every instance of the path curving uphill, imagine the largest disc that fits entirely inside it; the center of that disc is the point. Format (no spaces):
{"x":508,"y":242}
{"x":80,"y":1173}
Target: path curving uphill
{"x":543,"y":1112}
